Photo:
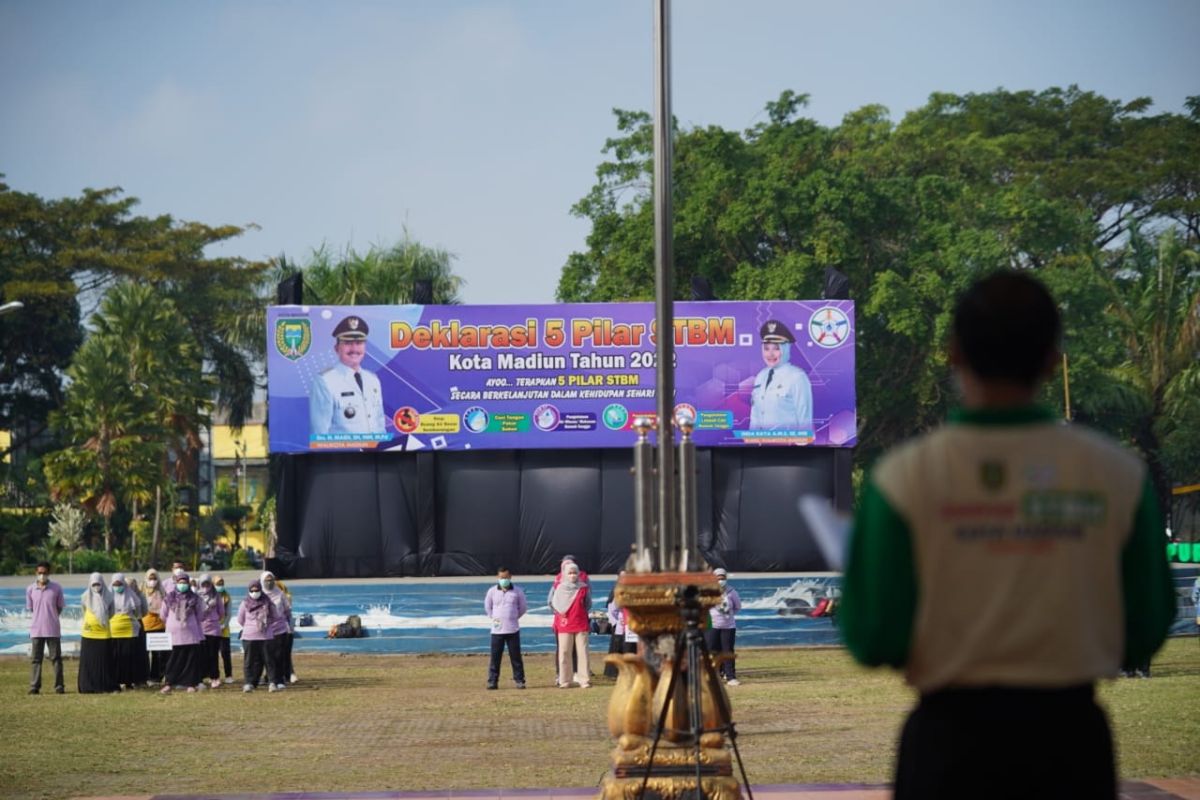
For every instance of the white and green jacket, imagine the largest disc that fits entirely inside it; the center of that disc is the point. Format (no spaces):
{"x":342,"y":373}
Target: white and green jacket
{"x":1007,"y":549}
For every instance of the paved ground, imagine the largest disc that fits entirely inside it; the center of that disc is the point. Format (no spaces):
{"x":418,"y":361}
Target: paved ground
{"x":1163,"y":789}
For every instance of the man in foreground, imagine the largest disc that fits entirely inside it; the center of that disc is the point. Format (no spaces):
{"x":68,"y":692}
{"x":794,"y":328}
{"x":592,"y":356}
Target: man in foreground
{"x":1006,"y":561}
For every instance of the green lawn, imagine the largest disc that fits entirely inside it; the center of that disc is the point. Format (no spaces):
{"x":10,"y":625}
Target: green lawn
{"x":425,"y":722}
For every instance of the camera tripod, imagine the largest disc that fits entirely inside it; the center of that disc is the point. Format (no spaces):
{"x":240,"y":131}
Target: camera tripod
{"x":692,"y":644}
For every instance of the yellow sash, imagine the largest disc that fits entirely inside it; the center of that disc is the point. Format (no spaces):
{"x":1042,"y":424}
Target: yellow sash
{"x":153,"y":623}
{"x":92,"y":629}
{"x":120,"y":626}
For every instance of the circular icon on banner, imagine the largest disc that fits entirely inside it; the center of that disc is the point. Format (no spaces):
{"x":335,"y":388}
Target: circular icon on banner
{"x":828,"y":327}
{"x":616,"y":417}
{"x":406,"y":419}
{"x":546,"y":417}
{"x":685,"y":412}
{"x":475,"y":419}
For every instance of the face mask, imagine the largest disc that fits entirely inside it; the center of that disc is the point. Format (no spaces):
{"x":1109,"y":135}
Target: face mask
{"x":256,"y":595}
{"x":572,"y":579}
{"x":43,"y":578}
{"x":183,"y":587}
{"x":220,"y":587}
{"x":119,"y":589}
{"x":98,"y":589}
{"x":505,"y":583}
{"x":722,"y":582}
{"x":152,"y":582}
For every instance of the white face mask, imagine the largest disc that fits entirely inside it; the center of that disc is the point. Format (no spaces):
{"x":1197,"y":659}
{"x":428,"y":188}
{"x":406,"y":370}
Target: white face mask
{"x":256,"y":595}
{"x":43,"y":578}
{"x":152,"y":582}
{"x":98,"y":589}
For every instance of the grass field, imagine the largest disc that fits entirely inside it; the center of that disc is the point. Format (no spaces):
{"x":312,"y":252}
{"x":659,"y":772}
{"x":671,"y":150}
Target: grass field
{"x":395,"y":723}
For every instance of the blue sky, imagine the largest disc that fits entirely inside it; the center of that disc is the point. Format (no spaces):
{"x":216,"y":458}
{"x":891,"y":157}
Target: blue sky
{"x":478,"y":124}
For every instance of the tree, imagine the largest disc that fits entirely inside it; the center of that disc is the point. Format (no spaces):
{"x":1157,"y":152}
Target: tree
{"x":66,"y":530}
{"x":1154,"y":301}
{"x":1052,"y":181}
{"x":135,"y":406}
{"x":381,"y":276}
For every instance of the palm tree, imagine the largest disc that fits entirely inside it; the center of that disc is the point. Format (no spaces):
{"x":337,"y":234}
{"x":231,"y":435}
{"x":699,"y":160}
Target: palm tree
{"x":135,"y":408}
{"x":382,"y":275}
{"x":1154,"y":286}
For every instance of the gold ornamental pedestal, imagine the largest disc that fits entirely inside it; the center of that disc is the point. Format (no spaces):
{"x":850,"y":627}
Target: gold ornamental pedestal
{"x":692,"y":739}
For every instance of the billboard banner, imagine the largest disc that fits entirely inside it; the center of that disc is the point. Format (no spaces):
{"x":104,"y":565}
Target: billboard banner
{"x":763,"y":373}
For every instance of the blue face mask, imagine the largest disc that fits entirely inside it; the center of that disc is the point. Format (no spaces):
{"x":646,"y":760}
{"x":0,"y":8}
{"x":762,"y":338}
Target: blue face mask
{"x":119,"y":589}
{"x":505,"y":583}
{"x":183,"y":587}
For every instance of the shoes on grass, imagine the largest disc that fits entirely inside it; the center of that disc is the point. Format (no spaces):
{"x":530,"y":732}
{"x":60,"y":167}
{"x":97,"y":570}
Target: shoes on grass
{"x":492,"y":686}
{"x":247,"y":687}
{"x":520,"y":684}
{"x":733,"y":682}
{"x":229,"y":680}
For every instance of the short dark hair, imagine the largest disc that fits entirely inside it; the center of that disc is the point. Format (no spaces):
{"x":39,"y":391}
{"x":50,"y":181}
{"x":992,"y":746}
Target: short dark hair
{"x":1006,"y":326}
{"x":41,"y":564}
{"x":504,"y":569}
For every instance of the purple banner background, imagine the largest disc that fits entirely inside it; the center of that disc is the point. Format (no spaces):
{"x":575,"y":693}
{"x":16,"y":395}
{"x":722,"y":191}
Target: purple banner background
{"x":581,"y":392}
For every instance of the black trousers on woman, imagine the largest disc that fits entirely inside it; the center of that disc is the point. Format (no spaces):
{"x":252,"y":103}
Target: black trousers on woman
{"x":123,"y":652}
{"x":186,"y":666}
{"x":226,"y":656}
{"x":140,"y":666}
{"x":212,"y":657}
{"x":254,"y":661}
{"x":97,"y":674}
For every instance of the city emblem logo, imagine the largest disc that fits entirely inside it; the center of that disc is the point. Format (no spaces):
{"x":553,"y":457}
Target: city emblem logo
{"x":991,"y":475}
{"x":828,"y":327}
{"x":293,"y":337}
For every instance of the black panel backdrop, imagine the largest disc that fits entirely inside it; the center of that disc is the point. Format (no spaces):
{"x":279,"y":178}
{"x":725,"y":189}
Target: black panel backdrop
{"x":462,"y":513}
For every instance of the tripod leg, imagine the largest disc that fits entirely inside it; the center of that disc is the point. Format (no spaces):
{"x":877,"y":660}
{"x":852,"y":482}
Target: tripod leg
{"x":662,"y":716}
{"x":696,"y":715}
{"x":725,"y":713}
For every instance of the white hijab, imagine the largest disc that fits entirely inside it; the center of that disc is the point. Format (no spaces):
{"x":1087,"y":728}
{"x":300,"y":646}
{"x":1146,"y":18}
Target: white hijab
{"x":99,"y":603}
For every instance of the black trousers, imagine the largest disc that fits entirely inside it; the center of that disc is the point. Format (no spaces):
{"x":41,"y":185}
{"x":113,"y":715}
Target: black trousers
{"x":721,"y":641}
{"x":212,"y":657}
{"x":226,"y":656}
{"x":1005,"y":742}
{"x":158,"y":664}
{"x":52,"y":646}
{"x":259,"y":656}
{"x":513,"y":640}
{"x":123,"y":653}
{"x":97,"y":673}
{"x":186,"y":665}
{"x":286,"y":668}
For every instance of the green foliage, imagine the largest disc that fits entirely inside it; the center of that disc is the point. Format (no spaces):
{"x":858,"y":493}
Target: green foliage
{"x":1058,"y":181}
{"x":381,"y":276}
{"x":241,"y":560}
{"x":22,"y":535}
{"x":89,"y":561}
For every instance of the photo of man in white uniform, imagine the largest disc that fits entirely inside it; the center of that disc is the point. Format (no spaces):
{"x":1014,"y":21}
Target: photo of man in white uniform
{"x":347,"y":398}
{"x":782,"y":394}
